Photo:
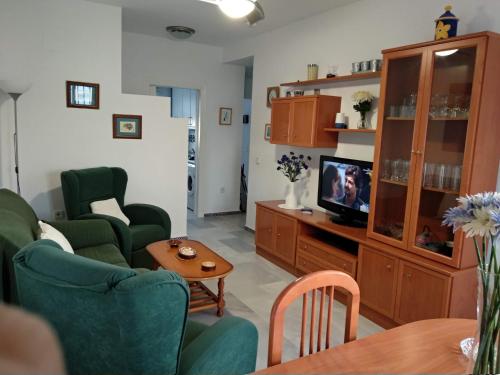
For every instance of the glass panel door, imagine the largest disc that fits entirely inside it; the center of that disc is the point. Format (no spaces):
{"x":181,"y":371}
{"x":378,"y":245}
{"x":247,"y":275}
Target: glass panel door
{"x":447,"y":123}
{"x":400,"y":110}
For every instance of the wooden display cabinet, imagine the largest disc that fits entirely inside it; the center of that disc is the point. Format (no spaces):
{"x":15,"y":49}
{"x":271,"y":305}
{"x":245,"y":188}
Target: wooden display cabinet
{"x":437,"y":116}
{"x":302,"y":120}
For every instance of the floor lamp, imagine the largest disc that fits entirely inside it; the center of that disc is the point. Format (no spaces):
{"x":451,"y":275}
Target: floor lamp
{"x":16,"y":96}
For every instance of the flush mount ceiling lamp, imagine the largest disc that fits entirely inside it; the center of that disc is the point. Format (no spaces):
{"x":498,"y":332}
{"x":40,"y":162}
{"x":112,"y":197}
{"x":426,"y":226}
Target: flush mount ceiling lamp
{"x":250,"y":9}
{"x":181,"y":32}
{"x":236,"y":8}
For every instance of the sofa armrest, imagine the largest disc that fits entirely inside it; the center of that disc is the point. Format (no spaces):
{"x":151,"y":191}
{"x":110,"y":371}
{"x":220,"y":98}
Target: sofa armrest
{"x":227,"y":347}
{"x":148,"y":214}
{"x":86,"y":233}
{"x":121,"y":231}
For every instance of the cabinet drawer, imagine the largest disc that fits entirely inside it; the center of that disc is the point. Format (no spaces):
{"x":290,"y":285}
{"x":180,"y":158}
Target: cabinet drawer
{"x":306,"y":264}
{"x":328,"y":257}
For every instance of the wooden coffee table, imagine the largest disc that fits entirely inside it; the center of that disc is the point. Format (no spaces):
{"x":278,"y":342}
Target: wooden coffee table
{"x":202,"y":298}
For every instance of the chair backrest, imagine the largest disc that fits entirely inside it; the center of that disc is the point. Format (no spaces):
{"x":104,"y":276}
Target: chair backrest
{"x":84,"y":186}
{"x":322,"y":283}
{"x":18,"y":228}
{"x":109,"y":319}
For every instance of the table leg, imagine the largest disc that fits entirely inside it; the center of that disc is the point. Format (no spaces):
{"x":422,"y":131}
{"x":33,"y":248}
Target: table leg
{"x":220,"y":298}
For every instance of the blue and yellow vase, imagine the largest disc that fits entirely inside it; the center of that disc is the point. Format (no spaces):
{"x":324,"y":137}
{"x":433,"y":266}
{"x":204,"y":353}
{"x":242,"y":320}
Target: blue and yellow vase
{"x":446,"y":25}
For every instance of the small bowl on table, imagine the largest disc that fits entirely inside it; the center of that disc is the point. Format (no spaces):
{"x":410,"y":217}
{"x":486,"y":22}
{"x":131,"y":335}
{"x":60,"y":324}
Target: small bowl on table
{"x":186,"y":253}
{"x":208,"y":266}
{"x":174,"y":243}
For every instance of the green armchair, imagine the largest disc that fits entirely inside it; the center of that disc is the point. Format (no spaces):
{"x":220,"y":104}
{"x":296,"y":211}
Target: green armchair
{"x":148,"y":223}
{"x":113,"y":320}
{"x":19,"y":227}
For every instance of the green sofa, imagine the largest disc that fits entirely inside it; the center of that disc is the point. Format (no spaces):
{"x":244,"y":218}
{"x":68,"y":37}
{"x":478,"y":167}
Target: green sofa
{"x":114,"y":320}
{"x":148,"y":223}
{"x":19,"y":227}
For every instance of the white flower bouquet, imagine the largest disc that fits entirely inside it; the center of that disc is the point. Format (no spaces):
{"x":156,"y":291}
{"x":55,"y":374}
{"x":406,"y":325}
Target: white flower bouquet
{"x":479,"y":217}
{"x":362,"y":104}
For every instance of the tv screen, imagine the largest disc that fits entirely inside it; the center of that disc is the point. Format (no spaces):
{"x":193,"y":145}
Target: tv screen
{"x":344,"y":187}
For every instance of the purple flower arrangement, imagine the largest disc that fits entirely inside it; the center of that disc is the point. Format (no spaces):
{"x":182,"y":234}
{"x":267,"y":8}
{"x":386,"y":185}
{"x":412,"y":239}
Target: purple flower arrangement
{"x":292,"y":165}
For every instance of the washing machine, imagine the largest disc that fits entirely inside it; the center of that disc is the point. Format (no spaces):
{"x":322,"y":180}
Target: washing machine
{"x":191,"y":187}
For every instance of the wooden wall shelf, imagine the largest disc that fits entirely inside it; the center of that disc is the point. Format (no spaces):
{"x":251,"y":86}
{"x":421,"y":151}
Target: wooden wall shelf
{"x":335,"y":130}
{"x":326,"y":81}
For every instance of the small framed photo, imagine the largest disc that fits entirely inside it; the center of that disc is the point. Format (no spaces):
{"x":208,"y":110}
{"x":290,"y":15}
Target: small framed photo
{"x":272,"y":93}
{"x":82,"y":95}
{"x":267,"y":132}
{"x":225,"y":116}
{"x":127,"y":126}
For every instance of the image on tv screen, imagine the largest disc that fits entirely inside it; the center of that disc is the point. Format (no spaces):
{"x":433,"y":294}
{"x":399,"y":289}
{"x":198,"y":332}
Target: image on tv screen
{"x":348,"y":185}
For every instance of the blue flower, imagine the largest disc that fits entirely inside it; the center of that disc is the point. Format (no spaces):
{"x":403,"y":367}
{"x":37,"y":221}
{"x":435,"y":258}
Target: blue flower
{"x":495,"y":217}
{"x":457,"y":217}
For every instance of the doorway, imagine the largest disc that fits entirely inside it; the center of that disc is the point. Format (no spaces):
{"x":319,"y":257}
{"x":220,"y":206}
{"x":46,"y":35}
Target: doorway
{"x":245,"y":144}
{"x":185,"y":103}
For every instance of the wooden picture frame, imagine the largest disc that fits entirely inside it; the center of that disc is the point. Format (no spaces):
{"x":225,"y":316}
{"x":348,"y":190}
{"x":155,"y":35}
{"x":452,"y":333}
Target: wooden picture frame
{"x":272,"y":93}
{"x":267,"y":132}
{"x":82,"y":95}
{"x":127,"y":126}
{"x":225,"y":116}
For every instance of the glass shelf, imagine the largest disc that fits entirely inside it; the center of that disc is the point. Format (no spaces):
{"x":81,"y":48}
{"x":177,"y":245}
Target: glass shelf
{"x":393,"y":182}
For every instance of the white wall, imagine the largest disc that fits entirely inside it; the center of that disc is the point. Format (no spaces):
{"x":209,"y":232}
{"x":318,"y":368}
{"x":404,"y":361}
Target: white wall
{"x":355,"y":32}
{"x":51,"y":35}
{"x":159,"y":61}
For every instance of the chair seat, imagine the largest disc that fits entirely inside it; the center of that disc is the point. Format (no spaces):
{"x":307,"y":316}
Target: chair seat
{"x":143,"y":235}
{"x":193,"y":330}
{"x":107,"y":253}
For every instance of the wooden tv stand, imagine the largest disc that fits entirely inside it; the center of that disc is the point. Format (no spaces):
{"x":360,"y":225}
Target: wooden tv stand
{"x":396,"y":286}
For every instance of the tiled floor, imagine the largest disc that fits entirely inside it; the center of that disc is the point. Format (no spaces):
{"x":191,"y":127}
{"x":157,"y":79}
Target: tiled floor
{"x":255,"y":283}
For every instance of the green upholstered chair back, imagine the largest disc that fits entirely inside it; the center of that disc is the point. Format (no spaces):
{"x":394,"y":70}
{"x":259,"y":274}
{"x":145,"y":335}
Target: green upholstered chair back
{"x":18,"y":228}
{"x":13,"y":202}
{"x":84,"y":186}
{"x":110,"y":320}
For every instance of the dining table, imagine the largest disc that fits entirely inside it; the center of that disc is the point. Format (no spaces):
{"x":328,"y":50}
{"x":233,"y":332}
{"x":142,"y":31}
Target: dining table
{"x":426,"y":346}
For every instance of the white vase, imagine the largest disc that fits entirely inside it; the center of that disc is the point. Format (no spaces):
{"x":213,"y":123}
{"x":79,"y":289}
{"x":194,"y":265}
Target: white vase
{"x":291,"y":200}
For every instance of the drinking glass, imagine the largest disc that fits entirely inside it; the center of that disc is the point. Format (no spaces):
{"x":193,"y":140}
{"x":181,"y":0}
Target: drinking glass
{"x":394,"y":111}
{"x":429,"y":172}
{"x":448,"y":176}
{"x":387,"y":169}
{"x":440,"y":177}
{"x":395,"y":170}
{"x":456,"y":179}
{"x":405,"y":169}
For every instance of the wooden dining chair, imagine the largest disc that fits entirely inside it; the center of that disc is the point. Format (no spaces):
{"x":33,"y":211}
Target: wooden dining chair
{"x":324,"y":283}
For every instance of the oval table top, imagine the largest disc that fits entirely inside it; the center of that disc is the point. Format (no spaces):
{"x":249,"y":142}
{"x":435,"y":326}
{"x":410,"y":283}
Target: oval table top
{"x":190,"y":270}
{"x":427,"y":346}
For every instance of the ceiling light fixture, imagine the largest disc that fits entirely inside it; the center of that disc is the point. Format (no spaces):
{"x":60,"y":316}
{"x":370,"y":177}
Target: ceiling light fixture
{"x":181,"y":32}
{"x":236,"y":8}
{"x":256,"y":15}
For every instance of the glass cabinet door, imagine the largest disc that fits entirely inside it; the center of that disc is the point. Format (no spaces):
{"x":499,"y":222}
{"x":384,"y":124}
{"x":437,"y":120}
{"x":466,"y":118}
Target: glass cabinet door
{"x":443,"y":149}
{"x":400,"y":106}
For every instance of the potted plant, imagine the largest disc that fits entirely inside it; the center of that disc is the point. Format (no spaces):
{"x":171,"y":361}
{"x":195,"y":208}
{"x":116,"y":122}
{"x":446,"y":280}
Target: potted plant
{"x":479,"y":217}
{"x":292,"y":166}
{"x":362,"y":104}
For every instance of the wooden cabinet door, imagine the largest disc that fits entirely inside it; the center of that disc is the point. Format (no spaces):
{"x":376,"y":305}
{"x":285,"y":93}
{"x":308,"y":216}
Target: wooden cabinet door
{"x":286,"y":233}
{"x":303,"y":122}
{"x":377,"y":279}
{"x":280,"y":121}
{"x":264,"y":229}
{"x":423,"y":294}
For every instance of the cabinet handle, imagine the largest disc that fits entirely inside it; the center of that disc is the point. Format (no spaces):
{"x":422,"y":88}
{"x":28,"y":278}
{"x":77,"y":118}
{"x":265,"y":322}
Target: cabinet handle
{"x":389,"y":267}
{"x":269,"y":230}
{"x":409,"y":275}
{"x":344,"y":266}
{"x":305,"y":247}
{"x":278,"y":235}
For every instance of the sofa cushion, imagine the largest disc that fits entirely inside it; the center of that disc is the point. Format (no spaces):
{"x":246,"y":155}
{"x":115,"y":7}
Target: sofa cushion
{"x":109,"y":207}
{"x":48,"y":232}
{"x":107,"y":253}
{"x":143,"y":235}
{"x":193,"y":330}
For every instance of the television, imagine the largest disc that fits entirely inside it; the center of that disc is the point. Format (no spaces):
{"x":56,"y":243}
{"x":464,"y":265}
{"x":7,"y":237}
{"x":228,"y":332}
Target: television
{"x":344,"y":189}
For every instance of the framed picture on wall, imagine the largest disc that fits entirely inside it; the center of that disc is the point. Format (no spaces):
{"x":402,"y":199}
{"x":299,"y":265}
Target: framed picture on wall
{"x":82,"y":95}
{"x":127,"y":126}
{"x":267,"y":132}
{"x":225,"y":116}
{"x":272,"y":93}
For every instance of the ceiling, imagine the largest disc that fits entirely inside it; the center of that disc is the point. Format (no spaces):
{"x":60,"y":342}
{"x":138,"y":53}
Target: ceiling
{"x":212,"y":27}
